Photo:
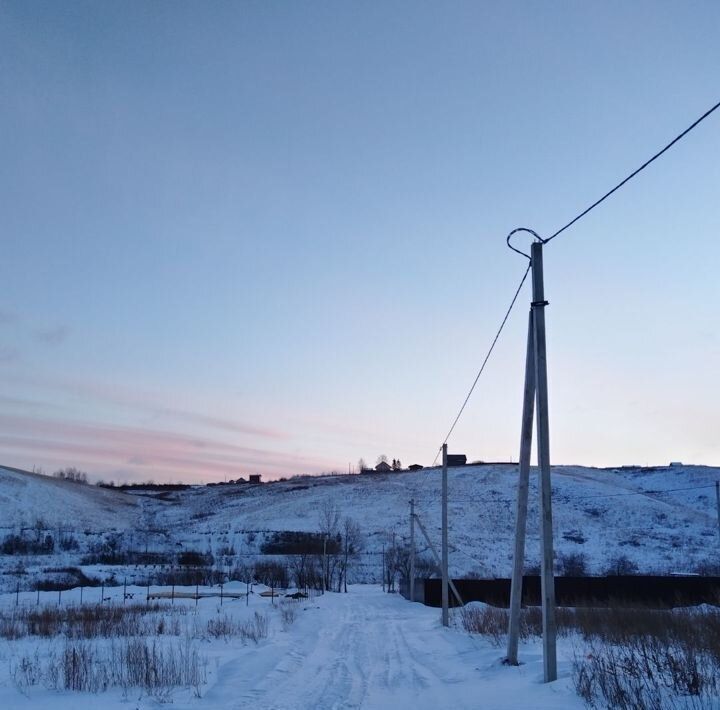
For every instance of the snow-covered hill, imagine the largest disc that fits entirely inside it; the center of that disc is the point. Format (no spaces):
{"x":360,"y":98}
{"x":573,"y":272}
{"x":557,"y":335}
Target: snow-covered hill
{"x":661,"y":519}
{"x":28,"y":498}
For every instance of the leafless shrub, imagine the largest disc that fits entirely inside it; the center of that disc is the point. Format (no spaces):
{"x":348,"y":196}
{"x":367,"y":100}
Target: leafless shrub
{"x":572,"y":564}
{"x":646,"y":673}
{"x":256,"y":628}
{"x":223,"y":627}
{"x":91,"y":621}
{"x":488,"y":621}
{"x":83,"y":666}
{"x":226,"y":628}
{"x":288,"y":612}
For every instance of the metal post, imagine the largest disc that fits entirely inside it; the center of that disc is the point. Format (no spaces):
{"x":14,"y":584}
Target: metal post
{"x":445,"y":600}
{"x":412,"y":550}
{"x":522,"y":500}
{"x":547,"y":580}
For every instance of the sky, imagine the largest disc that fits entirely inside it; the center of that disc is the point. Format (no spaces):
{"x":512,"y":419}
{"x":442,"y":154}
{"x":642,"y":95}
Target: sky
{"x":269,"y":237}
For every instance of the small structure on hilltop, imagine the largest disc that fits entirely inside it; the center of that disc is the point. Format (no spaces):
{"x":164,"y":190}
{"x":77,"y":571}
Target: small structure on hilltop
{"x":415,"y":467}
{"x":456,"y":459}
{"x":254,"y":478}
{"x":383,"y":467}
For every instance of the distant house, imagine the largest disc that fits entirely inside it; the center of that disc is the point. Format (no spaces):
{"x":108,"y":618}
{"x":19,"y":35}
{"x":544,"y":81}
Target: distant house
{"x":414,"y":467}
{"x":456,"y":459}
{"x":383,"y":467}
{"x":675,"y":464}
{"x":254,"y":478}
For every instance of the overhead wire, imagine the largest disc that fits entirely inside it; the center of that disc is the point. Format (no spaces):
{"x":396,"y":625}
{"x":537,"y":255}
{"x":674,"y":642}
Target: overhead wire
{"x":485,"y":361}
{"x":663,"y":150}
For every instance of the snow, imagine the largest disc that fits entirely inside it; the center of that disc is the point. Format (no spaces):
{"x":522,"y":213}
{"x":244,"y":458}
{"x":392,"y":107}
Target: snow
{"x":664,"y":520}
{"x":365,"y":649}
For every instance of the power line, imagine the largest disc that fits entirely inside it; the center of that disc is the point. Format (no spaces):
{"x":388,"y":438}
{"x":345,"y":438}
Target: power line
{"x":635,"y":172}
{"x":485,"y":361}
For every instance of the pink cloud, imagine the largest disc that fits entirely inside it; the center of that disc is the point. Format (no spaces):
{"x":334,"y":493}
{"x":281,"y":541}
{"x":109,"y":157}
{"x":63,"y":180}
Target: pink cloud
{"x":174,"y":454}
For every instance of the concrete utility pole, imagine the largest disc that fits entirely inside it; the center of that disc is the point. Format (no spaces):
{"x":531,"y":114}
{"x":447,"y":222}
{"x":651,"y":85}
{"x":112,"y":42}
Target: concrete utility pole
{"x":547,"y":580}
{"x":445,"y":614}
{"x":412,"y":550}
{"x":522,"y":503}
{"x":717,"y":500}
{"x":535,"y":393}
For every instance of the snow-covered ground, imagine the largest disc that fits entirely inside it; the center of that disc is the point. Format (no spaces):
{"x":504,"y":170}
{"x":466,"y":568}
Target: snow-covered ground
{"x":662,"y":519}
{"x":364,"y":649}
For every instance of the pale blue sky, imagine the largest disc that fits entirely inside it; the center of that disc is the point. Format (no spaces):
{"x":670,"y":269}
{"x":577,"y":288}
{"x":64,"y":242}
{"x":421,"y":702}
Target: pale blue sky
{"x":270,"y":236}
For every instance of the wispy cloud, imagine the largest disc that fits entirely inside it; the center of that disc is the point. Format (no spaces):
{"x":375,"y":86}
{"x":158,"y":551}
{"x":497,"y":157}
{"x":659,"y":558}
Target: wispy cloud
{"x":52,"y":336}
{"x":156,"y":452}
{"x":9,"y":354}
{"x":7,"y":317}
{"x":149,"y":404}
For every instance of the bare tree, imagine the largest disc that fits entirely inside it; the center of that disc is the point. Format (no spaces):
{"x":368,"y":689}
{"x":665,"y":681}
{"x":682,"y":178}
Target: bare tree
{"x":362,"y":466}
{"x":329,"y":524}
{"x":381,"y":459}
{"x":71,"y":474}
{"x":352,"y":544}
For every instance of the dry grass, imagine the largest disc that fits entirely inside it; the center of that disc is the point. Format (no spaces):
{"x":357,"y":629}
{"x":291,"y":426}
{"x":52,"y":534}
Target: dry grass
{"x":628,"y":659}
{"x":91,"y":621}
{"x":130,"y":663}
{"x":227,"y":628}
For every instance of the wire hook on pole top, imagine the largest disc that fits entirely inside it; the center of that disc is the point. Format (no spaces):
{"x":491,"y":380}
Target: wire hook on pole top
{"x":529,"y":231}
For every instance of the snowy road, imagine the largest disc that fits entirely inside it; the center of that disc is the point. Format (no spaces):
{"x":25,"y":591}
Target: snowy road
{"x":367,"y":649}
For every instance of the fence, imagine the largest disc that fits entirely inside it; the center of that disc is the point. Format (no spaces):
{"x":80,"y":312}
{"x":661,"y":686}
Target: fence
{"x":622,"y":590}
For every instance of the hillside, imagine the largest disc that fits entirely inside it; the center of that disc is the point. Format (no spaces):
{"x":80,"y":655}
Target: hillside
{"x":661,"y":519}
{"x":26,"y":498}
{"x":633,"y":512}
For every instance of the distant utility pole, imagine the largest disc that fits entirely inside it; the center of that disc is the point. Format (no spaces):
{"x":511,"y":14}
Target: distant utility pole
{"x":324,"y":582}
{"x":383,"y":567}
{"x":438,"y":561}
{"x":536,"y":387}
{"x":412,"y":550}
{"x":445,"y":613}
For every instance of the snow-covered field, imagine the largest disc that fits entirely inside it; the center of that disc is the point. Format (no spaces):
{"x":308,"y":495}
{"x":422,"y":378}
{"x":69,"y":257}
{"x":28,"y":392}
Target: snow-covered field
{"x":364,"y":649}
